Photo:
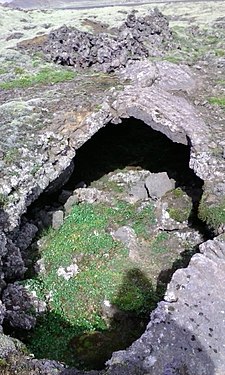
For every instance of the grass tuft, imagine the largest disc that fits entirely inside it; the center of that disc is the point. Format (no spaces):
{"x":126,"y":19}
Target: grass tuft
{"x":213,"y":215}
{"x":217,"y":101}
{"x":45,"y":76}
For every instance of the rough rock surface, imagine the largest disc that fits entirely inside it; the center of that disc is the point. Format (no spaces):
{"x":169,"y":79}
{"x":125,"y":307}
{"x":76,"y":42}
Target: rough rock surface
{"x":57,"y":219}
{"x":127,"y":236}
{"x":145,"y":98}
{"x":158,"y":184}
{"x":160,"y":94}
{"x":21,"y":307}
{"x":138,"y":37}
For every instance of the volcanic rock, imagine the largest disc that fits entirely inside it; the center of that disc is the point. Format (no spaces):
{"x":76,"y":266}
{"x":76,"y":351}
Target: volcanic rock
{"x":138,"y":37}
{"x":158,"y":184}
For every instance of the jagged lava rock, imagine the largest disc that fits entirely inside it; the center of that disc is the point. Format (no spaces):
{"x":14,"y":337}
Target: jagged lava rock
{"x":138,"y":37}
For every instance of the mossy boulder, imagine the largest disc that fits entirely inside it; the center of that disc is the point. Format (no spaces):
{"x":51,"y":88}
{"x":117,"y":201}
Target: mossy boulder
{"x":179,"y":205}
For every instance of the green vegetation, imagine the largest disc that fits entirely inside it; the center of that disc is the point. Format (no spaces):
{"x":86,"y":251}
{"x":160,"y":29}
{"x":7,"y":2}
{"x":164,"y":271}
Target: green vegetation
{"x":179,"y":205}
{"x":220,"y":52}
{"x":173,"y":59}
{"x":158,"y":243}
{"x":217,"y":101}
{"x":179,"y":214}
{"x":3,"y":199}
{"x":105,"y":273}
{"x":193,"y":47}
{"x":3,"y":71}
{"x":3,"y":362}
{"x":213,"y":215}
{"x":45,"y":76}
{"x":178,"y":193}
{"x":19,"y":71}
{"x":11,"y":155}
{"x":98,"y":107}
{"x":35,"y":169}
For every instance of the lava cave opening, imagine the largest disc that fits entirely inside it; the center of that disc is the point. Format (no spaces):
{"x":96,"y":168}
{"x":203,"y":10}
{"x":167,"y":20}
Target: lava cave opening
{"x":135,"y":146}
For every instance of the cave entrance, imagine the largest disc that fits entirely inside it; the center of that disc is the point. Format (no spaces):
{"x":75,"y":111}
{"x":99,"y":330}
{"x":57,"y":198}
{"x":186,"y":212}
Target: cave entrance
{"x":132,"y":144}
{"x":107,"y":267}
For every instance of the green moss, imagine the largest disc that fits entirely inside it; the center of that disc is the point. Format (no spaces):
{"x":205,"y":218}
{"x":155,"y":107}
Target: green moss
{"x":18,"y":70}
{"x":43,"y":77}
{"x":179,"y":214}
{"x":3,"y":71}
{"x":105,"y":272}
{"x":178,"y":193}
{"x":11,"y":155}
{"x":98,"y":107}
{"x":158,"y":244}
{"x":35,"y":169}
{"x":173,"y":59}
{"x":179,"y":205}
{"x":220,"y":101}
{"x":3,"y":362}
{"x":220,"y":82}
{"x":220,"y":52}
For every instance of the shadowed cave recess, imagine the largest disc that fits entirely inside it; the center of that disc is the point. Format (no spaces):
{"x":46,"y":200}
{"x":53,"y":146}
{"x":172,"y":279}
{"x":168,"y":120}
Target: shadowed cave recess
{"x":123,"y":251}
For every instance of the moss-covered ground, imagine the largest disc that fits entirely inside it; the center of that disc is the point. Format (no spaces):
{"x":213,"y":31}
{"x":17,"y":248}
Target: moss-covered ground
{"x":105,"y":273}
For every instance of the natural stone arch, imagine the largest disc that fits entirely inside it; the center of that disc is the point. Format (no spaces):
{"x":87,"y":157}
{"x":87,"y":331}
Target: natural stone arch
{"x":133,"y":132}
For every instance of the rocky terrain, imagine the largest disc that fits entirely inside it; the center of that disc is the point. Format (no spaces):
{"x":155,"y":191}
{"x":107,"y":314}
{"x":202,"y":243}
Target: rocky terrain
{"x":62,"y":103}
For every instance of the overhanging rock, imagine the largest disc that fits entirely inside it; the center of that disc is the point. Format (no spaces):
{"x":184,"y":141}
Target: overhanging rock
{"x":146,"y":96}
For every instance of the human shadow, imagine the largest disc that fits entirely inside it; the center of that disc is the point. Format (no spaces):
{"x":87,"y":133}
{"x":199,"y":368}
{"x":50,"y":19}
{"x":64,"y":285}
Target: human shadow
{"x":174,"y":348}
{"x":166,"y":347}
{"x":126,"y":317}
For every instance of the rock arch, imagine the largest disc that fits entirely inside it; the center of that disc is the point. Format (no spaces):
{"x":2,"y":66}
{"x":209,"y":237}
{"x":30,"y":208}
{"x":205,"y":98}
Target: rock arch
{"x":156,"y":99}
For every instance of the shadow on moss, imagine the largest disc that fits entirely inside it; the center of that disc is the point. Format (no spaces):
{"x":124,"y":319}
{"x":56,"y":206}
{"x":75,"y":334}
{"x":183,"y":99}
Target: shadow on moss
{"x":126,"y":316}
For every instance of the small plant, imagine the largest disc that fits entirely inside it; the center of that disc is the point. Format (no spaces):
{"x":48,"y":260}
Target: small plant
{"x":217,"y":101}
{"x":3,"y":199}
{"x":173,"y":59}
{"x":179,"y":214}
{"x":178,"y":193}
{"x":98,"y":107}
{"x":18,"y":70}
{"x":11,"y":155}
{"x":3,"y":71}
{"x":213,"y":215}
{"x":220,"y":52}
{"x":158,"y":244}
{"x":35,"y":169}
{"x":3,"y":362}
